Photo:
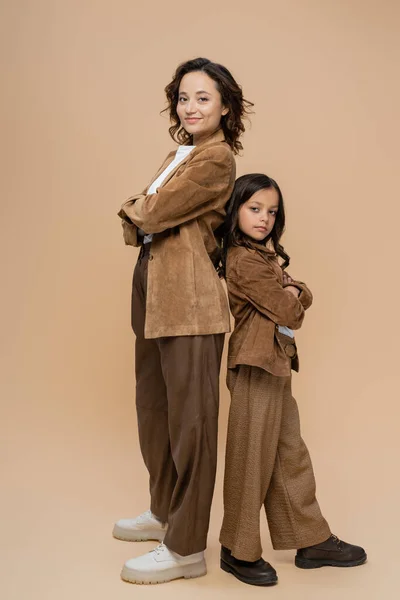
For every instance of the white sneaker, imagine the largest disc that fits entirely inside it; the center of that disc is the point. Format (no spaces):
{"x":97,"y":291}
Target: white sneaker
{"x":144,"y":527}
{"x":161,"y":565}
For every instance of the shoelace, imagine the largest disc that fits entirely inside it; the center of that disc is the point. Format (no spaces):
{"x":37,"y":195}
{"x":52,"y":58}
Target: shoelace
{"x":160,"y":548}
{"x":337,"y":540}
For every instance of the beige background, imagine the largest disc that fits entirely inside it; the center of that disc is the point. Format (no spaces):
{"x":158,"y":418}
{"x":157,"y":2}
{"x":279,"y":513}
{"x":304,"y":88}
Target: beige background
{"x":82,"y":90}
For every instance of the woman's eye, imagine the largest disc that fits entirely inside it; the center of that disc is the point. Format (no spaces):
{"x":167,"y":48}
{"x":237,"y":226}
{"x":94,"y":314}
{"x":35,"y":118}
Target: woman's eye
{"x":182,"y":99}
{"x":254,"y":208}
{"x":273,"y":213}
{"x":203,"y":99}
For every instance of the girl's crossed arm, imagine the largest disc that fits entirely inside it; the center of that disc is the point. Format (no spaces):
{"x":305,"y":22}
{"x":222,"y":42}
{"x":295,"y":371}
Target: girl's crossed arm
{"x":257,"y":278}
{"x":298,"y":289}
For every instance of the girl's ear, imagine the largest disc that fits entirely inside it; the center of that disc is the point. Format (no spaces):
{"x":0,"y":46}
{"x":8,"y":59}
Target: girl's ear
{"x":224,"y":111}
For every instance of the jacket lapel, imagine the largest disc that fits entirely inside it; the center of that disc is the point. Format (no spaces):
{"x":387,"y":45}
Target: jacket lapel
{"x":164,"y":165}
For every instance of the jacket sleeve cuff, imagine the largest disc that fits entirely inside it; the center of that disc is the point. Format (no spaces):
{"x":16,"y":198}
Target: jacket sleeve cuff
{"x":130,"y":233}
{"x":122,"y":214}
{"x":305,"y":296}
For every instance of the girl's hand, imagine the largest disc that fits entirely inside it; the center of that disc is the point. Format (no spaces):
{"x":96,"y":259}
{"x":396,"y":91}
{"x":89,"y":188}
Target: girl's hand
{"x":286,"y":278}
{"x":293,"y":290}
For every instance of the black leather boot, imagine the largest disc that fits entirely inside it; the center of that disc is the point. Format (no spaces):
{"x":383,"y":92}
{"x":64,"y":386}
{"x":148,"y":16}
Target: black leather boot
{"x":253,"y":573}
{"x":332,"y":553}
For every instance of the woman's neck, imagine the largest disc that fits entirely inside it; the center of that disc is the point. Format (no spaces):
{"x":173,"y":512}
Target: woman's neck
{"x":200,"y":139}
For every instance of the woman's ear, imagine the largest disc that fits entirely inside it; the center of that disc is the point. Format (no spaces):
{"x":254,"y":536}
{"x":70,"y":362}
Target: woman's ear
{"x":224,"y":111}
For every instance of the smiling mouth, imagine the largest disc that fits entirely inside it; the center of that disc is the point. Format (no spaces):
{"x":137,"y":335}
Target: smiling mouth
{"x":192,"y":119}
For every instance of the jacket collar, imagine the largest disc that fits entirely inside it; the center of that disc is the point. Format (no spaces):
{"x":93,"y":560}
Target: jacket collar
{"x":263,"y":249}
{"x":214,"y":138}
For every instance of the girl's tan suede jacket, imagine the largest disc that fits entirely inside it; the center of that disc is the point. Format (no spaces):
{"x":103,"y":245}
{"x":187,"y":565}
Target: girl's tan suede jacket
{"x":259,"y":304}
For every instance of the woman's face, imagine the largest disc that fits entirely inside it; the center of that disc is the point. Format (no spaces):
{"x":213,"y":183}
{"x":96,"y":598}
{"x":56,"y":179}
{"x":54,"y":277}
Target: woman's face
{"x":199,"y":105}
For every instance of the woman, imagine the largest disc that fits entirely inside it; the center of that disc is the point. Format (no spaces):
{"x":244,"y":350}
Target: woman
{"x":179,"y":316}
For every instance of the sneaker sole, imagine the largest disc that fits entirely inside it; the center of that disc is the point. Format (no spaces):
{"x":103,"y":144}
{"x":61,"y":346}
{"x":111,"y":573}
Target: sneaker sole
{"x":138,"y":536}
{"x":307,"y":563}
{"x":262,"y":582}
{"x":186,"y":572}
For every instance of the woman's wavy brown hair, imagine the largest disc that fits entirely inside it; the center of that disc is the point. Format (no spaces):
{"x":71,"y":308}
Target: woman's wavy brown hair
{"x":231,"y":96}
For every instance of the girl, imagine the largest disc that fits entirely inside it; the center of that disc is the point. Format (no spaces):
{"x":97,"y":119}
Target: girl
{"x":179,"y":316}
{"x":267,"y":461}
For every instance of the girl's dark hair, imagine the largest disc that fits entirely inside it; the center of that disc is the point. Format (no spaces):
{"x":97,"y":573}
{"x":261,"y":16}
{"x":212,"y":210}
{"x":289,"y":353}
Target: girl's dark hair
{"x":231,"y":95}
{"x":245,"y":187}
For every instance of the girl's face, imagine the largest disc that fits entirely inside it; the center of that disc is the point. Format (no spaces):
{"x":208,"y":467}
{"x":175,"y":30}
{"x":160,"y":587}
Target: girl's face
{"x":199,"y":105}
{"x":257,"y":216}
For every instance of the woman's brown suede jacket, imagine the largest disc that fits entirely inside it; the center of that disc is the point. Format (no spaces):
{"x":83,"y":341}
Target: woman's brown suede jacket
{"x":184,"y":293}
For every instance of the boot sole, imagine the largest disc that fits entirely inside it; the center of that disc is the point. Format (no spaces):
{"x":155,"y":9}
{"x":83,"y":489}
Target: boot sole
{"x":261,"y":582}
{"x":307,"y":563}
{"x":138,"y":536}
{"x":184,"y":572}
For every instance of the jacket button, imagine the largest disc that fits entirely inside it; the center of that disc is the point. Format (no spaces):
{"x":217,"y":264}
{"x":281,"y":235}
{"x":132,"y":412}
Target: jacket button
{"x":290,"y":350}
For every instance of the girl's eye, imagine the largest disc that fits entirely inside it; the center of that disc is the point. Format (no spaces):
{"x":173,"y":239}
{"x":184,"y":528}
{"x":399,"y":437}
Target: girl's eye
{"x":254,"y":208}
{"x":273,"y":212}
{"x":182,"y":99}
{"x":203,"y":99}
